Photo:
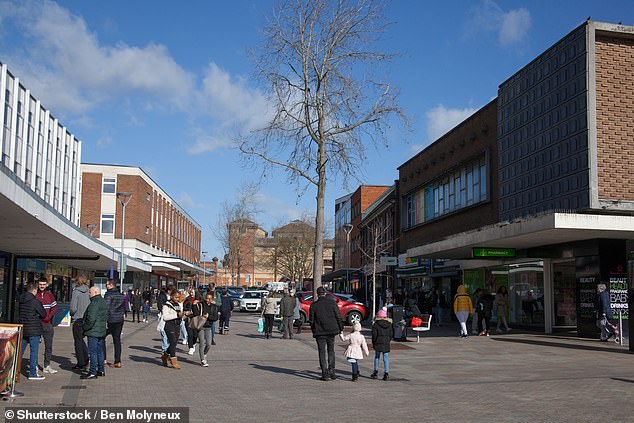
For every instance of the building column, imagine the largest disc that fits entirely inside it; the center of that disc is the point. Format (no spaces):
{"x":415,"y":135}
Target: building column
{"x":548,"y":296}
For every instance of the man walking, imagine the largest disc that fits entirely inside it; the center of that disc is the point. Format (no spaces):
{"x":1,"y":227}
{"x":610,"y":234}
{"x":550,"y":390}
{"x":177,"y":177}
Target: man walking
{"x":604,"y":312}
{"x":287,"y":309}
{"x":95,"y":322}
{"x":50,"y":306}
{"x":78,"y":303}
{"x":115,"y":301}
{"x":325,"y":322}
{"x":31,"y":315}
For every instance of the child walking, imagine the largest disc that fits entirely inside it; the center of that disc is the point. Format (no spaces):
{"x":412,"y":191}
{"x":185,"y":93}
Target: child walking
{"x":356,"y":348}
{"x":382,"y":334}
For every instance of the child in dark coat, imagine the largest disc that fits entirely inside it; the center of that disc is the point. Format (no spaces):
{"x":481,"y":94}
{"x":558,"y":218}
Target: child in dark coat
{"x":382,"y":334}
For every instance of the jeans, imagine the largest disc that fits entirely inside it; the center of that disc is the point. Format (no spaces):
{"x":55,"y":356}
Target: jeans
{"x":204,"y":339}
{"x":136,"y":312}
{"x":165,"y":343}
{"x":183,"y":331}
{"x":439,"y":315}
{"x":287,"y":326}
{"x":34,"y":344}
{"x":386,"y":361}
{"x":47,"y":334}
{"x":355,"y":368}
{"x":224,"y":321}
{"x":114,"y":329}
{"x":487,"y":325}
{"x":192,"y":337}
{"x":145,"y":315}
{"x":96,"y":347}
{"x":213,"y":330}
{"x":81,"y":349}
{"x":172,"y":336}
{"x":326,"y":347}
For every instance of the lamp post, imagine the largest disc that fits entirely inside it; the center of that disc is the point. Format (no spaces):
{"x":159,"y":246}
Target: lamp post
{"x":124,"y":199}
{"x":204,"y":253}
{"x":348,"y":228}
{"x":215,"y":260}
{"x":91,"y":228}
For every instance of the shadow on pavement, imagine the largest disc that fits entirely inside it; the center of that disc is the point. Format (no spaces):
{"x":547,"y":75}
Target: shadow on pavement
{"x":306,"y":374}
{"x":65,"y":363}
{"x":156,"y":350}
{"x":561,"y":345}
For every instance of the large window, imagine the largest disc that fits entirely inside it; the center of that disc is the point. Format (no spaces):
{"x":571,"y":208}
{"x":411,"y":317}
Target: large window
{"x":107,"y":223}
{"x":461,"y":188}
{"x":109,"y":185}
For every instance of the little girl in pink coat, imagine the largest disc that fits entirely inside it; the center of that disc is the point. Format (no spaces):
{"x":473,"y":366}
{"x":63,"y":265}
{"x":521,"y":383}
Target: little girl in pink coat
{"x":356,"y":348}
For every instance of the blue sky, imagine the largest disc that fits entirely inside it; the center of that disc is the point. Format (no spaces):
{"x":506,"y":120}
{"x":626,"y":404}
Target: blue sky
{"x":164,"y":84}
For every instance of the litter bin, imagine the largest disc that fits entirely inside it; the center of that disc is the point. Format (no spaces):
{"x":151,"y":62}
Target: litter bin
{"x":397,"y":313}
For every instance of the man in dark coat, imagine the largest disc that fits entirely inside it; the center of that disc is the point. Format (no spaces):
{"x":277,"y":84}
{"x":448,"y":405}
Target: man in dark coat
{"x":325,"y":322}
{"x":95,"y":327}
{"x":31,"y":314}
{"x":287,"y":309}
{"x":115,"y":301}
{"x":226,"y":305}
{"x":604,"y":312}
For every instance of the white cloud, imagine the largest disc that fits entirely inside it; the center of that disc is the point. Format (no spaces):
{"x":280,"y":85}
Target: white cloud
{"x":512,"y":26}
{"x":277,"y":209}
{"x":104,"y":141}
{"x":207,"y":144}
{"x":187,"y":202}
{"x":440,"y":120}
{"x":68,"y":68}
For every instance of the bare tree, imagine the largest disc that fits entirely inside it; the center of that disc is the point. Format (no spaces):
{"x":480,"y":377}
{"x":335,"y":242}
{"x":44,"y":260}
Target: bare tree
{"x":377,"y":240}
{"x":234,"y":221}
{"x":317,"y":60}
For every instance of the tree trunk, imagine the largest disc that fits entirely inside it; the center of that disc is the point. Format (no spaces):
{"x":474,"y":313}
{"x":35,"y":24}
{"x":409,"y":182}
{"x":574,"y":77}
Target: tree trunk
{"x":318,"y":263}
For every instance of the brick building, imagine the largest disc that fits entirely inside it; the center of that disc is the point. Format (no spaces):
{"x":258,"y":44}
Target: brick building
{"x":549,"y":215}
{"x":157,"y":230}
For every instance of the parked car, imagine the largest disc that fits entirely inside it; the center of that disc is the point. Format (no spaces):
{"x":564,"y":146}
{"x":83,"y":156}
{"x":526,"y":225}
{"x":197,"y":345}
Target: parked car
{"x":351,"y":310}
{"x":252,"y":300}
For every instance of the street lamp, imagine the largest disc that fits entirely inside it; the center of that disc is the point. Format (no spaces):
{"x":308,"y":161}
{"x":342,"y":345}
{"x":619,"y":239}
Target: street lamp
{"x":215,"y":260}
{"x":348,"y":228}
{"x":91,"y":228}
{"x":124,"y":199}
{"x":204,"y":253}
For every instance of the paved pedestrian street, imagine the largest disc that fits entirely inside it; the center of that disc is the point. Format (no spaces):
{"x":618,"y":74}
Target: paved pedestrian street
{"x":515,"y":377}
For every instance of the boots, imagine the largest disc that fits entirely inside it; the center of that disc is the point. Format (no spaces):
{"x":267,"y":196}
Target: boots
{"x":164,"y":358}
{"x":374,"y":374}
{"x":355,"y":377}
{"x":386,"y":376}
{"x":175,"y":364}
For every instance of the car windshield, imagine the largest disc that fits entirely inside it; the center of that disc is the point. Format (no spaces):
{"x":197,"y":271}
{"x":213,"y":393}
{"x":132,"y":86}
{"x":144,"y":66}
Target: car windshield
{"x":348,"y":298}
{"x":252,"y":295}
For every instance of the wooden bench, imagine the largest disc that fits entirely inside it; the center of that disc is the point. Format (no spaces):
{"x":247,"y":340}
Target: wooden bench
{"x":425,"y":326}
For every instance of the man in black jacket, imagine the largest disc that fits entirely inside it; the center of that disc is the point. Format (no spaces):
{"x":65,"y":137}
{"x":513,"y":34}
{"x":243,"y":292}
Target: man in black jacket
{"x":31,"y":314}
{"x":115,"y":301}
{"x":325,"y":322}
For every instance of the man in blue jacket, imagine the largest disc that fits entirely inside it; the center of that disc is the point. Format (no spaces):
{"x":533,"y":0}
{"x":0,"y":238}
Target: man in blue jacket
{"x":326,"y":322}
{"x":115,"y":301}
{"x":31,"y":314}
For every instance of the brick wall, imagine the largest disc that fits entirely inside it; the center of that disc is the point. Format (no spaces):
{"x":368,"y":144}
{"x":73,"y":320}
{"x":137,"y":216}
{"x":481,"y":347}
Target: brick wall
{"x":473,"y":137}
{"x":138,"y":212}
{"x":362,"y":198}
{"x":615,"y":119}
{"x":90,"y":202}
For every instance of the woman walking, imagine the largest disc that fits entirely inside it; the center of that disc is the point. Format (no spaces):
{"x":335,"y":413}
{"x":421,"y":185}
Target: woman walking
{"x":382,"y":334}
{"x":172,"y":315}
{"x":226,"y":305}
{"x":136,"y":305}
{"x":462,"y":307}
{"x":209,"y":310}
{"x":502,"y":307}
{"x":268,"y":312}
{"x":356,"y":348}
{"x":189,"y":305}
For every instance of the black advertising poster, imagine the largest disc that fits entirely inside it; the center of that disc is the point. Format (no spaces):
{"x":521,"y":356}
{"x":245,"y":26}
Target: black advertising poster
{"x":618,"y":287}
{"x":588,"y":276}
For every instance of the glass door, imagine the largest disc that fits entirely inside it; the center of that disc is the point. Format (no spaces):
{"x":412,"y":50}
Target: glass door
{"x":564,"y":298}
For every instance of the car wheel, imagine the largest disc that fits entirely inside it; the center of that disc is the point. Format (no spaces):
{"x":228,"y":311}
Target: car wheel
{"x":354,"y":317}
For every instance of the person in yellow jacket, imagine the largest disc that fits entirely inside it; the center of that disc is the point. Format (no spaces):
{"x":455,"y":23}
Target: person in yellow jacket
{"x":462,"y":307}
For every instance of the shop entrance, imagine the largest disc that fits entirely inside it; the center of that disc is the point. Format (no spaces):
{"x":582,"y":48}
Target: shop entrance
{"x":564,"y":296}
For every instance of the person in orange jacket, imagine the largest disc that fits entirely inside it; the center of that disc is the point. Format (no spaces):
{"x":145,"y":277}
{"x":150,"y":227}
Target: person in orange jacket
{"x":462,"y":307}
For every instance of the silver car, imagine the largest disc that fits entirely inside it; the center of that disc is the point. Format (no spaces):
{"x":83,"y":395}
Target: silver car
{"x":252,"y":300}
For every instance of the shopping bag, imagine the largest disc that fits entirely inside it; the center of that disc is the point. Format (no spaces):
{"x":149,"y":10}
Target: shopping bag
{"x":261,"y":324}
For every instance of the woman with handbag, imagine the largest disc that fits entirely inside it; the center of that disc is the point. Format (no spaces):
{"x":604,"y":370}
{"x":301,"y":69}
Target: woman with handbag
{"x":172,"y":315}
{"x":201,"y":321}
{"x":268,"y":312}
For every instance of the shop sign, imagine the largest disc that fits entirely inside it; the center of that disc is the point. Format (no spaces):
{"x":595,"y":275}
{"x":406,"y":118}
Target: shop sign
{"x":31,"y":265}
{"x":406,"y":261}
{"x":618,"y":292}
{"x":388,"y":261}
{"x":493,"y":252}
{"x":58,"y":269}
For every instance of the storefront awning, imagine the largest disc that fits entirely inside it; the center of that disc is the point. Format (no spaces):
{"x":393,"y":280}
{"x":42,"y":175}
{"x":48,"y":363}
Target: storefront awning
{"x":550,"y":229}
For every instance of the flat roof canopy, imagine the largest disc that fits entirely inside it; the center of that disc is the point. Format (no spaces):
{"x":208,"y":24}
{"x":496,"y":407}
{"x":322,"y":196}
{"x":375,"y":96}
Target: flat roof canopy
{"x":31,"y":228}
{"x":550,"y":229}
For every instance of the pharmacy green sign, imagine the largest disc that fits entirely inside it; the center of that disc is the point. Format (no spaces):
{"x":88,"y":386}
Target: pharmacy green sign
{"x":493,"y":252}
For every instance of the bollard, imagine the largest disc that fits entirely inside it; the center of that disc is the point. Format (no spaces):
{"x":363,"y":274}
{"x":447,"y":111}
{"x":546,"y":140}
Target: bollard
{"x":620,"y":327}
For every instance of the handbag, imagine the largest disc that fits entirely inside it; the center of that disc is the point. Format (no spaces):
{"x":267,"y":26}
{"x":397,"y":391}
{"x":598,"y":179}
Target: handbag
{"x":261,"y":324}
{"x":197,"y":322}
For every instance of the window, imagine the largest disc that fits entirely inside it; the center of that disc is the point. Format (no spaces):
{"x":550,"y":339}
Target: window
{"x":107,"y":223}
{"x":109,"y":185}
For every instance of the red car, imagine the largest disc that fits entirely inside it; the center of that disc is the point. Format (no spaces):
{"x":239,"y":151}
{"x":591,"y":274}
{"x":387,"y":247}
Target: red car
{"x":351,"y":310}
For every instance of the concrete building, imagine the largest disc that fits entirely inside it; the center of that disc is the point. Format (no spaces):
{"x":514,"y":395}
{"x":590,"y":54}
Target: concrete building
{"x":549,"y":215}
{"x":157,"y":230}
{"x":39,"y":202}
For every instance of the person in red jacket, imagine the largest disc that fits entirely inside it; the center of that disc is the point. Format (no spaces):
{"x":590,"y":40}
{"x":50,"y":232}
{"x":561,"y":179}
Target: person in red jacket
{"x":50,"y":306}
